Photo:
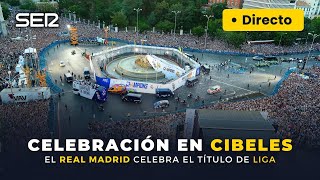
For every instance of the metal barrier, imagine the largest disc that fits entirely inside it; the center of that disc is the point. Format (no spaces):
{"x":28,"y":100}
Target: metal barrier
{"x":285,"y":77}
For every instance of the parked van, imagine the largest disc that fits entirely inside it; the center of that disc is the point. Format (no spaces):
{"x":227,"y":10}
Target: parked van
{"x":191,"y":82}
{"x":132,"y":97}
{"x":86,"y":73}
{"x":164,"y":92}
{"x":68,"y":77}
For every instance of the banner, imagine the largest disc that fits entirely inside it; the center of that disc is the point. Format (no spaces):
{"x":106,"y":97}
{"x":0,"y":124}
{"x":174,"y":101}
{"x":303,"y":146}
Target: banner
{"x":105,"y":82}
{"x":171,"y":71}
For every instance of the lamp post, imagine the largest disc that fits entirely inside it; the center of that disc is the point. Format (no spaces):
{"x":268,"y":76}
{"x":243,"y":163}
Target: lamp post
{"x":175,"y":22}
{"x":9,"y":72}
{"x":308,"y":38}
{"x":208,"y":18}
{"x":137,"y":10}
{"x":74,"y":17}
{"x":281,"y":38}
{"x":314,"y":36}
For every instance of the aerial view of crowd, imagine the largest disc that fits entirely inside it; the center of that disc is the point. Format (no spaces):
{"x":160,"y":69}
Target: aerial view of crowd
{"x":158,"y":127}
{"x":21,"y":122}
{"x":295,"y":108}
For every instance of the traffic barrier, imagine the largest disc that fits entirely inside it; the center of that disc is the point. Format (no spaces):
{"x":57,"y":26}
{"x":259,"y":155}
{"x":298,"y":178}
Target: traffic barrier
{"x":285,"y":77}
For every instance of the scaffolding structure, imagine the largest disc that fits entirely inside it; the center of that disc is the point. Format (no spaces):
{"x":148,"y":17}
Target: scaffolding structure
{"x":73,"y":36}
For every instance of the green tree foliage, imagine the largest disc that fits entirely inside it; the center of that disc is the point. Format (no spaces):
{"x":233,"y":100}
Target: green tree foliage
{"x":13,"y":2}
{"x":216,"y":9}
{"x":158,"y":13}
{"x":315,"y":25}
{"x":143,"y":26}
{"x":47,"y":7}
{"x":214,"y":26}
{"x":235,"y":38}
{"x":165,"y":26}
{"x":5,"y":10}
{"x":28,"y":5}
{"x":198,"y":31}
{"x":120,"y":19}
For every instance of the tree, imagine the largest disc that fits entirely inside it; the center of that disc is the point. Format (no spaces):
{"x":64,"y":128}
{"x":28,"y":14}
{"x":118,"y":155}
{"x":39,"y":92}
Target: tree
{"x":235,"y":38}
{"x":13,"y":2}
{"x":5,"y":10}
{"x":161,"y":10}
{"x":47,"y":7}
{"x":217,"y":8}
{"x":287,"y":38}
{"x":198,"y":31}
{"x":28,"y":5}
{"x":315,"y":25}
{"x":165,"y":26}
{"x":152,"y":19}
{"x":143,"y":26}
{"x":120,"y":19}
{"x":214,"y":26}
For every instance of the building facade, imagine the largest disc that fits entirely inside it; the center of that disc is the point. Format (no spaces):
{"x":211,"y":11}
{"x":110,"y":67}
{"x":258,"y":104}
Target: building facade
{"x":235,"y":4}
{"x":313,"y":8}
{"x":269,"y":4}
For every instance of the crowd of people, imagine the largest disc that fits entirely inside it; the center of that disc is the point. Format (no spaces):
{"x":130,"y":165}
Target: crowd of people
{"x":190,"y":41}
{"x":21,"y":122}
{"x":158,"y":127}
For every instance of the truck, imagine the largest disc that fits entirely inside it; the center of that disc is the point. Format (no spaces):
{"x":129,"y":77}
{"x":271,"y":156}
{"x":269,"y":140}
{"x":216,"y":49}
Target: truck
{"x":89,"y":90}
{"x":17,"y":95}
{"x":86,"y":73}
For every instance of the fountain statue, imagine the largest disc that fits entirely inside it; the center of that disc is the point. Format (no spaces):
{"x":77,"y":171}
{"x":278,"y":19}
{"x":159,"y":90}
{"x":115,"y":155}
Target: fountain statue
{"x":143,"y":62}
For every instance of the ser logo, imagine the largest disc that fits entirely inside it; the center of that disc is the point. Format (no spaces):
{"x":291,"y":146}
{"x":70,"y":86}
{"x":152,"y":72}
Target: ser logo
{"x":37,"y":20}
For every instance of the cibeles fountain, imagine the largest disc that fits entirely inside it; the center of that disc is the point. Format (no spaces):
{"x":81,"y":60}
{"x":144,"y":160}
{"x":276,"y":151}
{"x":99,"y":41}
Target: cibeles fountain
{"x":144,"y":63}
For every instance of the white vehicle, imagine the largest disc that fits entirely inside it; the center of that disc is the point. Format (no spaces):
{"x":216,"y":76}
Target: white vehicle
{"x":62,"y":64}
{"x":214,"y":89}
{"x":68,"y":77}
{"x":161,"y":104}
{"x":86,"y":73}
{"x":257,"y":58}
{"x":89,"y":90}
{"x":17,"y":38}
{"x":24,"y":94}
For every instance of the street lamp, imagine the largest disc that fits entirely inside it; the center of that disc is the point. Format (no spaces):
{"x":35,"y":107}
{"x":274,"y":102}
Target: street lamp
{"x":9,"y":72}
{"x":175,"y":22}
{"x":138,"y":10}
{"x":208,"y":18}
{"x":308,"y":38}
{"x":281,"y":38}
{"x":314,"y":36}
{"x":74,"y":17}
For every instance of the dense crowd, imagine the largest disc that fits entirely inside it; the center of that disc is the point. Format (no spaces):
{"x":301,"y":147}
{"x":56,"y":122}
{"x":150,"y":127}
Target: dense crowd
{"x":21,"y":122}
{"x":158,"y":127}
{"x":190,"y":41}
